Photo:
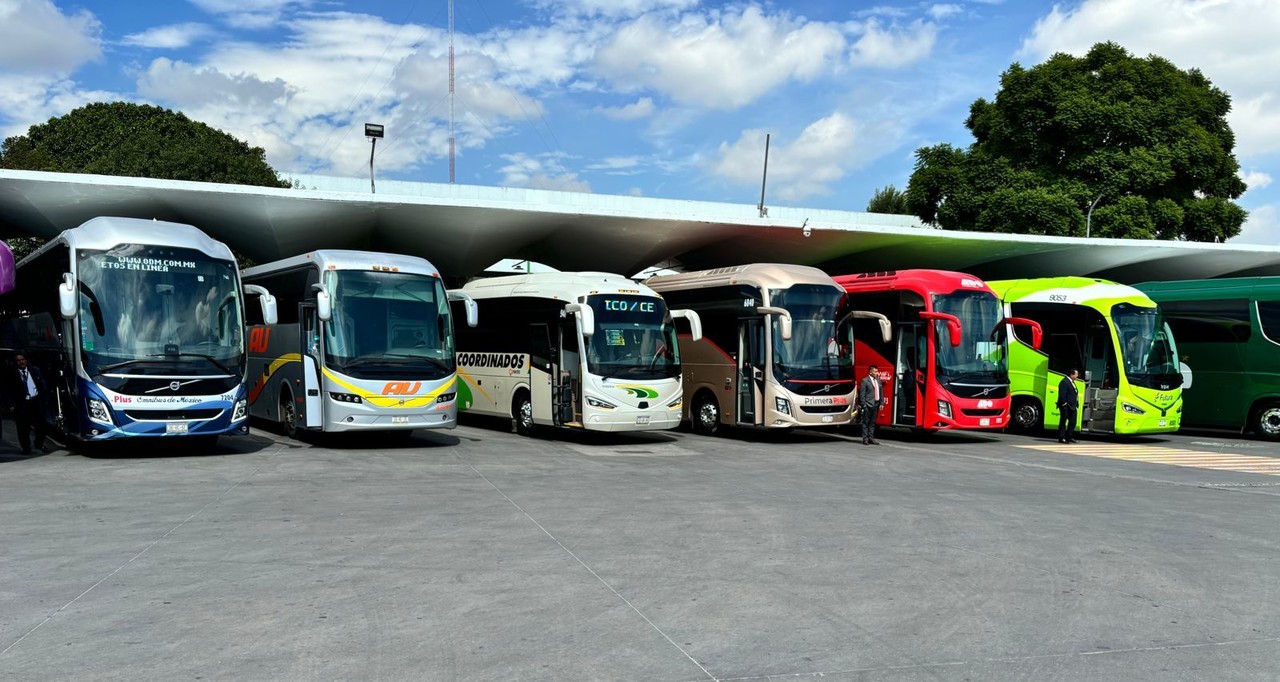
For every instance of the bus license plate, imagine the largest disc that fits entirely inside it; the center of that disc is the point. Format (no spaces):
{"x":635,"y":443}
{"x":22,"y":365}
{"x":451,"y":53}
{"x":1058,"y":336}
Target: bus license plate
{"x":175,"y":428}
{"x":399,"y":420}
{"x":827,"y":419}
{"x":984,"y":422}
{"x":642,"y":420}
{"x":1164,"y":422}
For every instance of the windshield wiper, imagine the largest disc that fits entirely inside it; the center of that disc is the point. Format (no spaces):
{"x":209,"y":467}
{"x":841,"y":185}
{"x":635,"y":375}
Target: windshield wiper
{"x":212,"y":360}
{"x":107,"y":368}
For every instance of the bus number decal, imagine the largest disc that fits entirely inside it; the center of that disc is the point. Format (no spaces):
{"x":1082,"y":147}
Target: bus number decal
{"x":258,"y":339}
{"x":401,"y":387}
{"x":1058,"y":298}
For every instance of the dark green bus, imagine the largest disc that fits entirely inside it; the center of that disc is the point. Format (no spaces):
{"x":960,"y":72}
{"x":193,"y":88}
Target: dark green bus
{"x":1228,"y":336}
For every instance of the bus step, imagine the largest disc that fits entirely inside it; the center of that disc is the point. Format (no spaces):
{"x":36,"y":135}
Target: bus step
{"x":574,"y":425}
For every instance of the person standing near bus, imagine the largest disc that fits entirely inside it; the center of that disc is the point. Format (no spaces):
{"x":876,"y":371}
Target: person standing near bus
{"x":1068,"y":404}
{"x":26,"y":391}
{"x":870,"y":398}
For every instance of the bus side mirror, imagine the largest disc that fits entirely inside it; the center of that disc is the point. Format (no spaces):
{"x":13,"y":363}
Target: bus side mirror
{"x":886,"y":327}
{"x":695,"y":322}
{"x":473,"y":311}
{"x":1037,"y":333}
{"x":784,"y":319}
{"x":265,"y":300}
{"x":953,"y":324}
{"x":586,"y":317}
{"x":67,"y":296}
{"x":324,"y":306}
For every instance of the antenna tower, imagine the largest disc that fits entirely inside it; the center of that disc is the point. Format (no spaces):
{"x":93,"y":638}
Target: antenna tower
{"x":451,"y":142}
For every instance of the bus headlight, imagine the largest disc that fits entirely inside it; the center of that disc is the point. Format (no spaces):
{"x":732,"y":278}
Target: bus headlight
{"x":98,"y":411}
{"x":679,"y":403}
{"x":944,"y":408}
{"x":596,"y":402}
{"x":447,"y":397}
{"x":1179,"y":408}
{"x":241,"y":411}
{"x":345,"y":397}
{"x":782,"y":404}
{"x":1132,"y":409}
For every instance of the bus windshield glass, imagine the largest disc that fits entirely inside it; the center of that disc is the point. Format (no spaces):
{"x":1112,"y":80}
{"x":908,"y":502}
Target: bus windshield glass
{"x":388,"y":324}
{"x":634,"y":338}
{"x":813,"y":352}
{"x":1148,"y":355}
{"x":980,"y":355}
{"x":153,"y":310}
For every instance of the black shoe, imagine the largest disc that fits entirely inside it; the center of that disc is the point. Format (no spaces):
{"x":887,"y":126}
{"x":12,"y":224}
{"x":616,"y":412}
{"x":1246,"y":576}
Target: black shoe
{"x":874,"y":441}
{"x":1073,"y":441}
{"x":866,"y":442}
{"x":1062,"y":440}
{"x":46,"y":448}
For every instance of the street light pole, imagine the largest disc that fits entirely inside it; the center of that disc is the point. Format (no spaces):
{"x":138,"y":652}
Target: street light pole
{"x":1088,"y":217}
{"x":374,"y":132}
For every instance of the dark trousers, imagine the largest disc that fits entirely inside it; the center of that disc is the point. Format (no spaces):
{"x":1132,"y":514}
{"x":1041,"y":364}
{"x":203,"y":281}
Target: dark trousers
{"x":867,"y":415}
{"x":29,"y":415}
{"x":1067,"y":422}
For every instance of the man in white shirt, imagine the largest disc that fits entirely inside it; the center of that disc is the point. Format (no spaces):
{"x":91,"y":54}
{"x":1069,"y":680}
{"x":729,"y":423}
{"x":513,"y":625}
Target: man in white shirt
{"x":26,"y":396}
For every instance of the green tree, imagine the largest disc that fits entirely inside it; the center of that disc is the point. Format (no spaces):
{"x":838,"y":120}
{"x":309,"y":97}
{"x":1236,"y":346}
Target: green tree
{"x":889,"y":200}
{"x":1149,"y":139}
{"x":134,"y":140}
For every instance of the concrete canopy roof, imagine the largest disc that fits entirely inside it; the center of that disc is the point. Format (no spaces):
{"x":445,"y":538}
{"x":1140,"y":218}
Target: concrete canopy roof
{"x":462,"y":229}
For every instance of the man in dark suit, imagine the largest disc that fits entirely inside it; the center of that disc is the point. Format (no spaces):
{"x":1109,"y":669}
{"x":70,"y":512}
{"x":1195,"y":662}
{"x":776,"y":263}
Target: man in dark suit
{"x":1068,"y":404}
{"x":26,"y":392}
{"x":870,"y":398}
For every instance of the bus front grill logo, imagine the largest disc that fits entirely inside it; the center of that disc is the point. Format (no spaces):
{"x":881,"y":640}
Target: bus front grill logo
{"x":401,"y":387}
{"x":641,"y":392}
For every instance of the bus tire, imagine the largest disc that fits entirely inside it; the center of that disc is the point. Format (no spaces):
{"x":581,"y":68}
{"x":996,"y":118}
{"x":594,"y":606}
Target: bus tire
{"x":288,"y":414}
{"x":1026,"y":416}
{"x":704,"y":414}
{"x":522,"y":413}
{"x":1266,"y":420}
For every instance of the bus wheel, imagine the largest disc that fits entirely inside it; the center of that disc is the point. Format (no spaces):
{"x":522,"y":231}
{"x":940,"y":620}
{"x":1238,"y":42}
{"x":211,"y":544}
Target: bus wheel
{"x":705,"y":414}
{"x":288,"y":415}
{"x":1266,"y":421}
{"x":1027,"y":416}
{"x":522,"y":414}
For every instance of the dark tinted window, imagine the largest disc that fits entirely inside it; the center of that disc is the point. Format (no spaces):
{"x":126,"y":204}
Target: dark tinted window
{"x":1208,"y":321}
{"x":1269,"y":317}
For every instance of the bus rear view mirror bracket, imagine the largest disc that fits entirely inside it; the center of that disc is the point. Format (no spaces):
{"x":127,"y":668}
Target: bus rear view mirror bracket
{"x":886,"y":327}
{"x":265,"y":300}
{"x":953,"y":324}
{"x":784,"y":319}
{"x":67,"y":296}
{"x":695,"y":322}
{"x":1037,"y":332}
{"x":586,"y":317}
{"x":473,"y":312}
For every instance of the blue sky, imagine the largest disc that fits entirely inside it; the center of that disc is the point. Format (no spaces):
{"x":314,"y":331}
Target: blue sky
{"x":659,"y":98}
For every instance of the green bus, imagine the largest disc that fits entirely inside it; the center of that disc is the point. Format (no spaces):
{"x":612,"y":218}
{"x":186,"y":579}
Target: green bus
{"x":1114,"y":334}
{"x":1228,"y":333}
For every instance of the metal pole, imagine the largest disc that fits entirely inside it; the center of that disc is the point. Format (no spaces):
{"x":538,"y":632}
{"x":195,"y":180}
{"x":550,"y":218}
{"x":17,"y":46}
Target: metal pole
{"x":1088,"y":217}
{"x":765,"y":177}
{"x":372,"y":147}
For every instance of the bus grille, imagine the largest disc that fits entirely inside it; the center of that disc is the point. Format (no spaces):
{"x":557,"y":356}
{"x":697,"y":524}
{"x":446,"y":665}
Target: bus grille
{"x":173,"y":415}
{"x":824,"y":409}
{"x":982,"y":413}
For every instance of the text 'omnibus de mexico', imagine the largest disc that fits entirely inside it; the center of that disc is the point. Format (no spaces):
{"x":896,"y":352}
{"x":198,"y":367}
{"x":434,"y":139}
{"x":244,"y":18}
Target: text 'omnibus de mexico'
{"x":1114,"y":334}
{"x":364,"y":342}
{"x":579,"y":350}
{"x":946,"y":366}
{"x":773,"y":353}
{"x":138,"y":328}
{"x":1228,"y":334}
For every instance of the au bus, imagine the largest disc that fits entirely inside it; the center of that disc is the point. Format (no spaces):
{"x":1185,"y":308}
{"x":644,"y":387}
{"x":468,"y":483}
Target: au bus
{"x":576,"y":350}
{"x":1228,"y":333}
{"x":1113,"y":334}
{"x":364,"y":342}
{"x":138,"y":328}
{"x":946,"y":366}
{"x":773,"y":353}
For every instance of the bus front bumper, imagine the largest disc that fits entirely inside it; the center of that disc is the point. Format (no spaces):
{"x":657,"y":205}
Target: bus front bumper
{"x":631,"y":420}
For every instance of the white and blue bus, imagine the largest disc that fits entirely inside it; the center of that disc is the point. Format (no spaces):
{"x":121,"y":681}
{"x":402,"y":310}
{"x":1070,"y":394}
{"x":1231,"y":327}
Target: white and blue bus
{"x":138,"y":328}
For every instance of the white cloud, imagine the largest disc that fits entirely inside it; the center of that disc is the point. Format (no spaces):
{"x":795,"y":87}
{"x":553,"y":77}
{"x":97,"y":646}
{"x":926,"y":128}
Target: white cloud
{"x":883,"y":11}
{"x":615,"y":8}
{"x":201,"y":86}
{"x":803,"y":168}
{"x":893,"y":47}
{"x":722,"y":60}
{"x":31,"y":99}
{"x":1262,"y":227}
{"x":944,"y":11}
{"x":541,"y":172}
{"x":1256,"y":179}
{"x":250,"y":14}
{"x":1229,"y":41}
{"x":172,"y":37}
{"x":36,"y":37}
{"x":641,"y":108}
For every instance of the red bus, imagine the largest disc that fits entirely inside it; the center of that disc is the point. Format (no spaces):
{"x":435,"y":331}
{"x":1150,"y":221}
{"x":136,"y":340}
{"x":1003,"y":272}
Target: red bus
{"x":947,"y":363}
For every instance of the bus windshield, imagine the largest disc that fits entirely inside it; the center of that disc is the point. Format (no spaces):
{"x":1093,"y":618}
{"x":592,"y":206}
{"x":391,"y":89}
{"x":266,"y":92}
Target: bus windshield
{"x":979,"y":355}
{"x":388,"y":324}
{"x":159,"y":311}
{"x":634,"y":338}
{"x":813,"y":352}
{"x":1147,"y":351}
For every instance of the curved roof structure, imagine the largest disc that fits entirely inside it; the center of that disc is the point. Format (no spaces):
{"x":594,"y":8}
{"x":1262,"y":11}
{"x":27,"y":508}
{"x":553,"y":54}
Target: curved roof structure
{"x":463,"y":229}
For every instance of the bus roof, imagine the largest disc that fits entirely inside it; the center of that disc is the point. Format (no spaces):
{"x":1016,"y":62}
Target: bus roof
{"x":564,"y":286}
{"x":918,"y":280}
{"x":1210,"y":289}
{"x":1095,"y":293}
{"x":104,"y":233}
{"x":763,"y":275}
{"x":341,"y":259}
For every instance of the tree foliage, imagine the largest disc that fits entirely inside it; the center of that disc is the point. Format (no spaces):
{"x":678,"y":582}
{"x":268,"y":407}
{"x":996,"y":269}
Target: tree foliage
{"x":1150,"y":139}
{"x":889,"y":200}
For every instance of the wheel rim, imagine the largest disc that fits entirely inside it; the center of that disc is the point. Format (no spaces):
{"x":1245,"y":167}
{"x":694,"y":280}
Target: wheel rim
{"x":1269,"y":421}
{"x":290,"y":417}
{"x":526,"y":415}
{"x":1026,"y":416}
{"x":708,"y":415}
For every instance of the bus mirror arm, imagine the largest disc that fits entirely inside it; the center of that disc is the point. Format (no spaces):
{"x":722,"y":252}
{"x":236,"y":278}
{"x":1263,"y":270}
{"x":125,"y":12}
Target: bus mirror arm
{"x":1037,"y":333}
{"x":473,"y":312}
{"x":784,"y":319}
{"x":886,"y":327}
{"x":586,"y":317}
{"x":265,"y":300}
{"x":67,"y":296}
{"x":695,"y":322}
{"x":953,"y":324}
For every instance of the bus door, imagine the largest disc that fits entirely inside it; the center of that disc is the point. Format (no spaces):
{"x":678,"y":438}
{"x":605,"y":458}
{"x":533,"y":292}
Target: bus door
{"x":313,"y":407}
{"x":568,"y":391}
{"x":542,"y":373}
{"x":750,"y":369}
{"x":1102,"y":381}
{"x":911,"y":337}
